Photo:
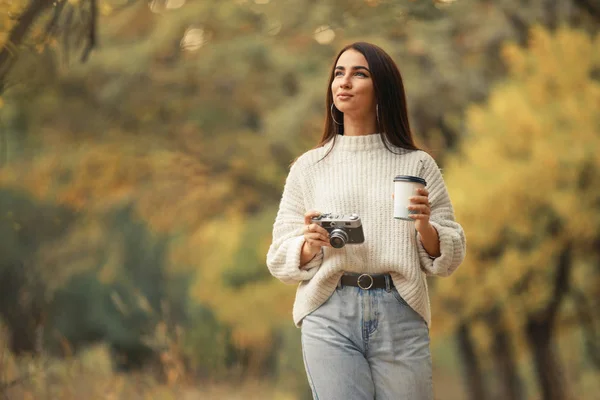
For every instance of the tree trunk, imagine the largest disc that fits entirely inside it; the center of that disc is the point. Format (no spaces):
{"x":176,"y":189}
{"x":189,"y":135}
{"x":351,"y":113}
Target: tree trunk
{"x":540,"y":332}
{"x":550,"y":378}
{"x":472,"y":370}
{"x":21,"y":308}
{"x":508,"y":374}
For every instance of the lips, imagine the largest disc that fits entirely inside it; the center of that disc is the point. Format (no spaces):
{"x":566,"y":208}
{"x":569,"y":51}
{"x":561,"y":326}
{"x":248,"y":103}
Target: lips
{"x":344,"y":96}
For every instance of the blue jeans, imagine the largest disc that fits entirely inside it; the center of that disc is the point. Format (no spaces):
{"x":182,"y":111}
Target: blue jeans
{"x":365,"y":345}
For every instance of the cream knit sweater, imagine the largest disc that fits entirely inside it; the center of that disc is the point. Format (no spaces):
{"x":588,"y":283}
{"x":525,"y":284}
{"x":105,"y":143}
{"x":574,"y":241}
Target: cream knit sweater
{"x":357,"y":177}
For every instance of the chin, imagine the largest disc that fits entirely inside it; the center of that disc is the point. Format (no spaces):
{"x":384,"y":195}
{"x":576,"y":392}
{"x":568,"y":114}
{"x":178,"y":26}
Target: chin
{"x":352,"y":110}
{"x":344,"y":108}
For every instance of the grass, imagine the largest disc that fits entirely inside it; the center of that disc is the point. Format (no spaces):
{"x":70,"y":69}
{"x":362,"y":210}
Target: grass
{"x":90,"y":376}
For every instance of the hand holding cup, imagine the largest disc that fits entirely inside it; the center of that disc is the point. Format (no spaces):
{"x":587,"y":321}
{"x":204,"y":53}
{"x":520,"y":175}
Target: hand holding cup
{"x":411,"y":201}
{"x":420,"y":208}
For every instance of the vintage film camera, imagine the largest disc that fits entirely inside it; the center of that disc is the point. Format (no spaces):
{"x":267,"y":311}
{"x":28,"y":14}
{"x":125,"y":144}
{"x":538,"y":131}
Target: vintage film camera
{"x":343,"y":229}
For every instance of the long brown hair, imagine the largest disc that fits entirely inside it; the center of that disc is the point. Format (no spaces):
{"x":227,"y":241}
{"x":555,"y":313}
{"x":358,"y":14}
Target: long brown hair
{"x":392,"y":119}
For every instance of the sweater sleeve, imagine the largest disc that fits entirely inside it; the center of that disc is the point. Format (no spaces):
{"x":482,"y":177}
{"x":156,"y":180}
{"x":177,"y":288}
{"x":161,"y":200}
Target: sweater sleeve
{"x":283,"y":257}
{"x":451,"y":234}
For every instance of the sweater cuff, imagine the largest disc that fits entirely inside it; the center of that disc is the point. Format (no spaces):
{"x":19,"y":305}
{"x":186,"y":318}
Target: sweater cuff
{"x":292,"y":267}
{"x":442,"y":265}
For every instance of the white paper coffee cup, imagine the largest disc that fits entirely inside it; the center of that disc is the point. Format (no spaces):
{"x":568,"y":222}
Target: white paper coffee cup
{"x":405,"y":186}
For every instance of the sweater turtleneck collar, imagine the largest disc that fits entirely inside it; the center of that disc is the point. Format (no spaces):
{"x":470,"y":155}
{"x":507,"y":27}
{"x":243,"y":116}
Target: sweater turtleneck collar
{"x":359,"y":143}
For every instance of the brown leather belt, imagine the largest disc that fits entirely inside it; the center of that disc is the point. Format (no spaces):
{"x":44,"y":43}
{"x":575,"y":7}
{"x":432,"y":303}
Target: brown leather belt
{"x":366,"y":281}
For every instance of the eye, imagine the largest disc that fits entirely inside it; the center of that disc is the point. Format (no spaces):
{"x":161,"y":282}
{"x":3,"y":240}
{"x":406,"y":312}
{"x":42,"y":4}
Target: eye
{"x":361,"y":74}
{"x":338,"y":73}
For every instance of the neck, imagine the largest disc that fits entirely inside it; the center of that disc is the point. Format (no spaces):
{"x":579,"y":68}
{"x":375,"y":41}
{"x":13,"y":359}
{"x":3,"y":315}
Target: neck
{"x":359,"y":126}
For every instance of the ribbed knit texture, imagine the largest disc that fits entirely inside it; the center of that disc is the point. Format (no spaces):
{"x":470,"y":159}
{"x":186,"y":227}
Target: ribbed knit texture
{"x":357,"y":177}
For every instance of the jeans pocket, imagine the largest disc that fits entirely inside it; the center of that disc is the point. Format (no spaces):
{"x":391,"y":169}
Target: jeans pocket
{"x":399,"y":298}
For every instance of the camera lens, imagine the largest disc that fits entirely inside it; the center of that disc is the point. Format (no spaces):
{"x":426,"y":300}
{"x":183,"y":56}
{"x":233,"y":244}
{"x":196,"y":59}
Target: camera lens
{"x":338,"y":238}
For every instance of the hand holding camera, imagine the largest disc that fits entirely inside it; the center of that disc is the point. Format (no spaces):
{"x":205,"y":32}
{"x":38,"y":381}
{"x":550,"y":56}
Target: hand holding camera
{"x":316,"y":237}
{"x":330,"y":230}
{"x":342,"y":229}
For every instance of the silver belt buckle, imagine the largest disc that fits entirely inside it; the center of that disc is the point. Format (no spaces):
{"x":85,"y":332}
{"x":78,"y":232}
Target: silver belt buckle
{"x":360,"y":286}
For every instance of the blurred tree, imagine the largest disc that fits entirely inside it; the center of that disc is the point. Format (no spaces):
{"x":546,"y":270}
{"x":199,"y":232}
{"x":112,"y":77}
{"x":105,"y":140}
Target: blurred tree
{"x":525,"y":185}
{"x":236,"y":286}
{"x":35,"y":24}
{"x":25,"y":226}
{"x":190,"y":114}
{"x":117,"y":293}
{"x":472,"y":369}
{"x":109,"y":281}
{"x":180,"y":89}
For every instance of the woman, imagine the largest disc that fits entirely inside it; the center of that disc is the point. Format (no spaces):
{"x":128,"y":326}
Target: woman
{"x":364,"y":308}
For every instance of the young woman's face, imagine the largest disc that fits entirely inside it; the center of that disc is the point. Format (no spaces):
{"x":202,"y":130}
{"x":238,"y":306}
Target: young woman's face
{"x":352,"y":86}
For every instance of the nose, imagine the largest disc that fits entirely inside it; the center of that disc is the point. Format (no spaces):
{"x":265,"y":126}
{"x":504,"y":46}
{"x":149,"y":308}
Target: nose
{"x":345,"y":82}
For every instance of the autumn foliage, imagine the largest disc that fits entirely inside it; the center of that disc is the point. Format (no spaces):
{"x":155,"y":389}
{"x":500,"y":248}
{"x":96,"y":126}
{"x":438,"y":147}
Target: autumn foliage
{"x":138,"y":190}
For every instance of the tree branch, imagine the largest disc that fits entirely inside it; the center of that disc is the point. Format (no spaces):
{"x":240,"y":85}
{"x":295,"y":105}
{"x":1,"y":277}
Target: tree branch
{"x":92,"y":33}
{"x":17,"y":34}
{"x":593,"y":8}
{"x":52,"y":25}
{"x":561,"y":282}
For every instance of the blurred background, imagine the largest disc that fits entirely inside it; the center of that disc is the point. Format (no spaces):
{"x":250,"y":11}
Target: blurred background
{"x":143,"y":152}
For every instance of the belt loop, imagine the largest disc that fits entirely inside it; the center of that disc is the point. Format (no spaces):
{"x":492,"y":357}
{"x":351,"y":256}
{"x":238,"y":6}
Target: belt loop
{"x":387,"y":283}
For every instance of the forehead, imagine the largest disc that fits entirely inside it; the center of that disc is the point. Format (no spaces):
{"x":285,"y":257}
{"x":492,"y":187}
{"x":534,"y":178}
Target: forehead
{"x":352,"y":58}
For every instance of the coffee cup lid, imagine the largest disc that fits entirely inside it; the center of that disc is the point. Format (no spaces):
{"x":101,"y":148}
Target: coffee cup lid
{"x":408,"y":178}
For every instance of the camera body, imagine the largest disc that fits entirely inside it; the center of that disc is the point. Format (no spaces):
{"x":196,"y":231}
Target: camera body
{"x":343,"y":229}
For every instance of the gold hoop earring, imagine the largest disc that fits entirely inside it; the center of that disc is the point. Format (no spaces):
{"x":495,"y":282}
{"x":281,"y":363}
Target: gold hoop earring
{"x":332,"y":117}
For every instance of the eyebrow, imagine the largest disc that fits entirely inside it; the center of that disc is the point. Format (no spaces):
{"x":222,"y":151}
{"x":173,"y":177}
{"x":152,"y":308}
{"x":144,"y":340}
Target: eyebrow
{"x":356,"y":67}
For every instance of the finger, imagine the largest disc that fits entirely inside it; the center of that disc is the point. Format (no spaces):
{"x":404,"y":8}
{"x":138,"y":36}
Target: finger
{"x":322,"y":231}
{"x":422,"y":191}
{"x":324,"y":243}
{"x":310,"y":228}
{"x":316,"y":228}
{"x":316,"y":236}
{"x":318,"y":243}
{"x":421,"y":208}
{"x":419,"y":200}
{"x":421,"y":217}
{"x":309,"y":215}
